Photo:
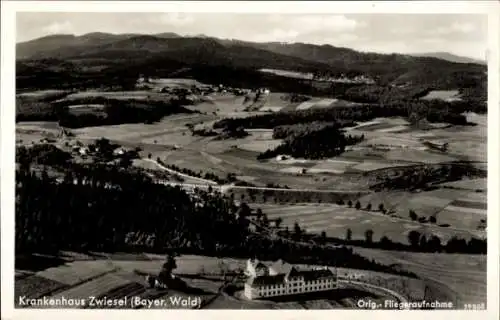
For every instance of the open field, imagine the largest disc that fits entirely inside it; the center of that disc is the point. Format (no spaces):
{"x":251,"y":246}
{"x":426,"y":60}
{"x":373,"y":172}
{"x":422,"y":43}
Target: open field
{"x":75,"y":272}
{"x":335,"y":220}
{"x":258,"y":141}
{"x":35,"y":286}
{"x":124,"y":281}
{"x":95,"y":109}
{"x":42,"y":94}
{"x":177,"y":81}
{"x":171,"y":141}
{"x":448,"y":95}
{"x":464,"y":274}
{"x":140,"y":131}
{"x":446,"y":205}
{"x":122,"y":95}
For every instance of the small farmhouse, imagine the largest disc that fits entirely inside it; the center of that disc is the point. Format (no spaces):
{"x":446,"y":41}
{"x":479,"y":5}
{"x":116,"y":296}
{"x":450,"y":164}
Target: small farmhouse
{"x":281,"y":279}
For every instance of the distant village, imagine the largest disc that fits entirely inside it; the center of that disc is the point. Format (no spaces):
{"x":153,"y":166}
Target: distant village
{"x":342,"y":78}
{"x":196,"y":88}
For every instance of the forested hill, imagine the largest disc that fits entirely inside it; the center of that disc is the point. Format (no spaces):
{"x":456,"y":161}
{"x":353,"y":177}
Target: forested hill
{"x":125,"y":212}
{"x":98,"y":52}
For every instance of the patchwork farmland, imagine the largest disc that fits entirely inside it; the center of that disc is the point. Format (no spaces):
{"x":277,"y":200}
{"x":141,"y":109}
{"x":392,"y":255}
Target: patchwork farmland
{"x":119,"y":279}
{"x":166,"y":161}
{"x":335,"y":220}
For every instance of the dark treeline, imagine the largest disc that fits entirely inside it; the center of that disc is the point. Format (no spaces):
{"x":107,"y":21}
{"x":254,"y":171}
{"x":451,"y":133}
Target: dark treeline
{"x":433,"y":111}
{"x":281,"y":132}
{"x":43,"y":154}
{"x":473,"y":98}
{"x":378,"y":93}
{"x":118,"y":76}
{"x":232,"y":133}
{"x":271,"y":120}
{"x":116,"y":111}
{"x":314,"y":140}
{"x":204,"y":132}
{"x":417,"y":242}
{"x":106,"y":209}
{"x":34,"y":110}
{"x":284,"y":196}
{"x":421,"y":177}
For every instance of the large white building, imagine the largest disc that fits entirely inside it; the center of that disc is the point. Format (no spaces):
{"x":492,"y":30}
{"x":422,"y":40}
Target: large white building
{"x":281,"y":279}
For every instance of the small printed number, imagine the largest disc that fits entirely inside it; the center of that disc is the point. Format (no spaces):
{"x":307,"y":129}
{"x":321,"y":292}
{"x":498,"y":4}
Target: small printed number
{"x":474,"y":306}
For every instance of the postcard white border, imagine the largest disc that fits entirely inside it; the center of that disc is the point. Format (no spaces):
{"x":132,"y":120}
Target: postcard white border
{"x":7,"y":111}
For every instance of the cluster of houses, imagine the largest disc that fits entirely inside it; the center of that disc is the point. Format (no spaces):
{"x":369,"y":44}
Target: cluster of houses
{"x":198,"y":89}
{"x":80,"y":149}
{"x":283,"y":279}
{"x":342,"y":78}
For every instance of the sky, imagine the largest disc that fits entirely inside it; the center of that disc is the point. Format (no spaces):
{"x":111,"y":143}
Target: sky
{"x":460,"y":34}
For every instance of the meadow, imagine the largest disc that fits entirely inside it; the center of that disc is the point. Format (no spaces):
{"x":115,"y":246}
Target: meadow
{"x":462,"y":275}
{"x":118,"y":277}
{"x":335,"y":220}
{"x":442,"y":95}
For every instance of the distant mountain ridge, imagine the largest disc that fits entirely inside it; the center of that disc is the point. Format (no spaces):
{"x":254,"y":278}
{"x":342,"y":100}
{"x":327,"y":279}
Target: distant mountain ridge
{"x":450,"y":57}
{"x":148,"y":51}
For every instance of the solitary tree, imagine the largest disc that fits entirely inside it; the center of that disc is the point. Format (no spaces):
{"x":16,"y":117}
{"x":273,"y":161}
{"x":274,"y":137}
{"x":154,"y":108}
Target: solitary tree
{"x":278,"y":222}
{"x":381,"y":207}
{"x":125,"y":162}
{"x":259,"y":214}
{"x":369,"y":236}
{"x":434,"y":244}
{"x":297,"y":231}
{"x":369,"y":206}
{"x":323,"y":237}
{"x":265,"y":220}
{"x":385,"y":242}
{"x":348,"y":235}
{"x":166,"y":271}
{"x":423,"y":242}
{"x":349,"y":203}
{"x":413,"y":215}
{"x":414,"y":238}
{"x":287,"y":232}
{"x":358,"y":205}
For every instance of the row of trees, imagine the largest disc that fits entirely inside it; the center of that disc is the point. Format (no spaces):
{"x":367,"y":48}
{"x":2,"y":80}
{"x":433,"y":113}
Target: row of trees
{"x":473,"y":97}
{"x":271,"y":120}
{"x":115,"y":111}
{"x":43,"y":154}
{"x":420,"y":177}
{"x":431,"y":110}
{"x":416,"y":241}
{"x":420,"y":242}
{"x":379,"y":93}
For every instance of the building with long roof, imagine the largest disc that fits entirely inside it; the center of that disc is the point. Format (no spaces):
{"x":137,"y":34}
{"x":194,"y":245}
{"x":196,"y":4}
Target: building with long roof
{"x":282,"y":279}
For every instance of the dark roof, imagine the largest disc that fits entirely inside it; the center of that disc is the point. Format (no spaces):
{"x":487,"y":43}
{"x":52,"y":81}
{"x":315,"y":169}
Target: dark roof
{"x":281,"y":267}
{"x":310,"y":275}
{"x":267,"y":280}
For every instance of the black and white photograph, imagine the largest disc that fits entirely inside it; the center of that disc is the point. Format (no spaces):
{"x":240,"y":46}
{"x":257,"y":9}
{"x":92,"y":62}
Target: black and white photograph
{"x":250,"y":160}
